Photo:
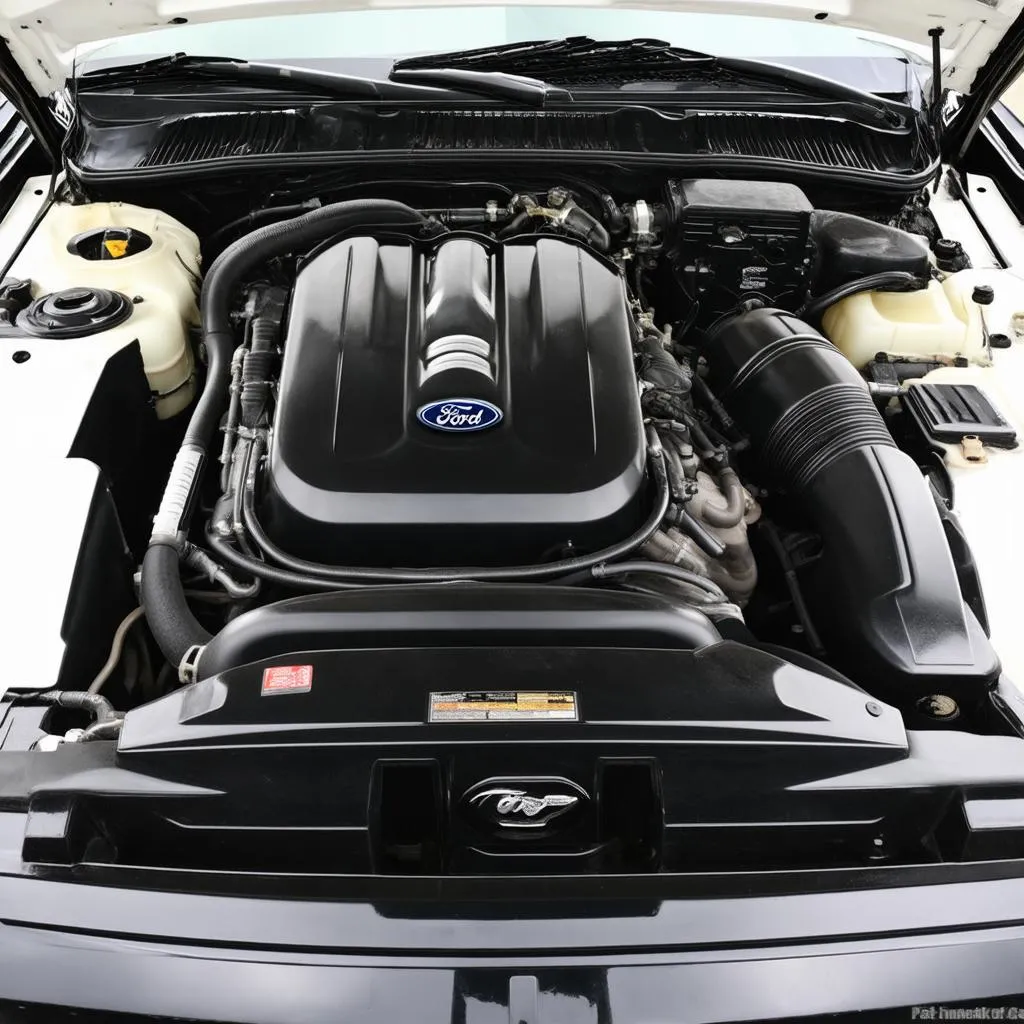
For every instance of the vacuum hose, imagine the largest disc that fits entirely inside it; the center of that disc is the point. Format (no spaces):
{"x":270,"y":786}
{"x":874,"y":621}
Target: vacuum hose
{"x":174,"y":627}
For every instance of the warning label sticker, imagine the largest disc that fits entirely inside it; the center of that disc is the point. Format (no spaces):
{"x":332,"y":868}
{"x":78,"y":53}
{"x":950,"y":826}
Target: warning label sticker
{"x":287,"y":679}
{"x":504,"y":706}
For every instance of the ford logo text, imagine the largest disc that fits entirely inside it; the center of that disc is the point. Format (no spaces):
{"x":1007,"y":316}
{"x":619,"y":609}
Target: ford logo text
{"x":459,"y":415}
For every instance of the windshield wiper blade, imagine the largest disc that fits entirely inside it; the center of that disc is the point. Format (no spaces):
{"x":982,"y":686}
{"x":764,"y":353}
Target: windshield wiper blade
{"x":232,"y":69}
{"x":182,"y":67}
{"x":425,"y":85}
{"x":580,"y":58}
{"x":559,"y":56}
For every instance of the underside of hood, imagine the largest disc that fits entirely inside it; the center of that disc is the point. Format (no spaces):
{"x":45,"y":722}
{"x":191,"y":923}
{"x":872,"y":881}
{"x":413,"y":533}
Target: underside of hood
{"x":43,"y":35}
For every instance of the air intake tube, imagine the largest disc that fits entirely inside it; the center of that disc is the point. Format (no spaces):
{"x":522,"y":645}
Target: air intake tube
{"x":176,"y":630}
{"x":884,"y":591}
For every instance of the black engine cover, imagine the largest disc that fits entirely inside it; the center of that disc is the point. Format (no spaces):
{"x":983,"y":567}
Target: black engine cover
{"x":381,"y":330}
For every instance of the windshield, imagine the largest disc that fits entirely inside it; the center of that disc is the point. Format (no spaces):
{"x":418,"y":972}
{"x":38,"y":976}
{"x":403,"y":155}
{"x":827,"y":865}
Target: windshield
{"x":366,"y":42}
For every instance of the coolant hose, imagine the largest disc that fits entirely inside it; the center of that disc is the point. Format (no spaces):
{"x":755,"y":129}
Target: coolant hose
{"x":174,"y":627}
{"x":258,"y":218}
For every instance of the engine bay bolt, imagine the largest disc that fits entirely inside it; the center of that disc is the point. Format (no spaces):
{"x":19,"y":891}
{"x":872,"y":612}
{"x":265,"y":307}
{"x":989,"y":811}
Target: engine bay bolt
{"x":21,"y":356}
{"x":136,"y":299}
{"x":873,"y":709}
{"x":939,"y":707}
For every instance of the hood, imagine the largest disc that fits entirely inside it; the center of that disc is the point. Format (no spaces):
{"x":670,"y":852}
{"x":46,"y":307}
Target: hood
{"x":43,"y":35}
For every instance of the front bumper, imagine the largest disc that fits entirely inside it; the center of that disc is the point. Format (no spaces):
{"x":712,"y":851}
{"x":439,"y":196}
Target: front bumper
{"x":633,"y":960}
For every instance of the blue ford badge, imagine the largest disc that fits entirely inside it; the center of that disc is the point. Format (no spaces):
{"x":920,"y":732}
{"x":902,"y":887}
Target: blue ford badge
{"x":459,"y":414}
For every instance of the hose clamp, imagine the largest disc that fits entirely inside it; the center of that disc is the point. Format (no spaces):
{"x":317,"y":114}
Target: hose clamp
{"x":189,"y":665}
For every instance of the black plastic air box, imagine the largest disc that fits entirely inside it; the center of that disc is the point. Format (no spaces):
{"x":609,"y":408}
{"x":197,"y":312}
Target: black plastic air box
{"x":849,"y":247}
{"x":739,"y":238}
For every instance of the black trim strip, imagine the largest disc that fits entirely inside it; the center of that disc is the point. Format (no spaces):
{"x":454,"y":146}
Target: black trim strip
{"x":900,"y":184}
{"x":33,"y":108}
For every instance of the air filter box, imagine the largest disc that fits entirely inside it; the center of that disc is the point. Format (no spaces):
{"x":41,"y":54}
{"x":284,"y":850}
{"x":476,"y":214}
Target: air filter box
{"x":735,"y":239}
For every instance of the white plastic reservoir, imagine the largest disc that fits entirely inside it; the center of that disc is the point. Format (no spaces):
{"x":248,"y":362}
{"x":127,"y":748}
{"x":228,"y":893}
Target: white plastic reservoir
{"x":159,"y":271}
{"x":941,"y":322}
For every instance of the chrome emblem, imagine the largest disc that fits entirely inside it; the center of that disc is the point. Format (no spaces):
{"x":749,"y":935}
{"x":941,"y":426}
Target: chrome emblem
{"x":459,"y":415}
{"x":534,"y":804}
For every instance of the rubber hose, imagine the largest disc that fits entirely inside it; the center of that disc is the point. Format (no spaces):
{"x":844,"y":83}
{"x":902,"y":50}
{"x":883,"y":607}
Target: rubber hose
{"x":116,"y":647}
{"x":601,"y":572}
{"x":519,"y":223}
{"x":102,"y":731}
{"x":700,"y":385}
{"x":174,"y":627}
{"x":508,"y":574}
{"x":271,"y":573}
{"x":701,"y":440}
{"x":735,"y":502}
{"x":254,"y":249}
{"x":99,"y":707}
{"x":584,"y":225}
{"x":257,"y":218}
{"x":812,"y":312}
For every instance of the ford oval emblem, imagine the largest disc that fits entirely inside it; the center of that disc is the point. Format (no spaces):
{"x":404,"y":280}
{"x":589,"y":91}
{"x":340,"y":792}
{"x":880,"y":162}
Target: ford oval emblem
{"x":527,"y":805}
{"x":459,"y":415}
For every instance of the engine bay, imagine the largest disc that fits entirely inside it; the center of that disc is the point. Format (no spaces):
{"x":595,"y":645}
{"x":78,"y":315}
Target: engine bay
{"x":553,"y":457}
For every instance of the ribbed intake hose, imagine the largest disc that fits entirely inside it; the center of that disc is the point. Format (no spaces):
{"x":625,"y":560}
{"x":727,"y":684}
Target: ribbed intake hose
{"x":884,"y":592}
{"x":174,"y":627}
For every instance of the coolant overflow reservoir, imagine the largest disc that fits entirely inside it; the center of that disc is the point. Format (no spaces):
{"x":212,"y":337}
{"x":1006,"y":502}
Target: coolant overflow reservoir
{"x":941,"y":322}
{"x":116,"y":272}
{"x":917,"y":325}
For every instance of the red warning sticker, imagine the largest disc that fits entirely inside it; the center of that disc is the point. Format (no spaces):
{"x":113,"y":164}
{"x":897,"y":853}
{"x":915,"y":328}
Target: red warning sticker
{"x":287,"y":679}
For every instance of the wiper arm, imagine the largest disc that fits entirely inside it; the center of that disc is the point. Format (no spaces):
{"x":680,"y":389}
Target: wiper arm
{"x":494,"y":84}
{"x":233,"y":69}
{"x":555,"y":56}
{"x":414,"y":85}
{"x":580,"y":58}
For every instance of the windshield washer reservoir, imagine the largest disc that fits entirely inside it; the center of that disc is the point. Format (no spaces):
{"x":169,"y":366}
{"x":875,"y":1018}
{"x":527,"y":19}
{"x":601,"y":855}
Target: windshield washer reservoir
{"x":129,"y":251}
